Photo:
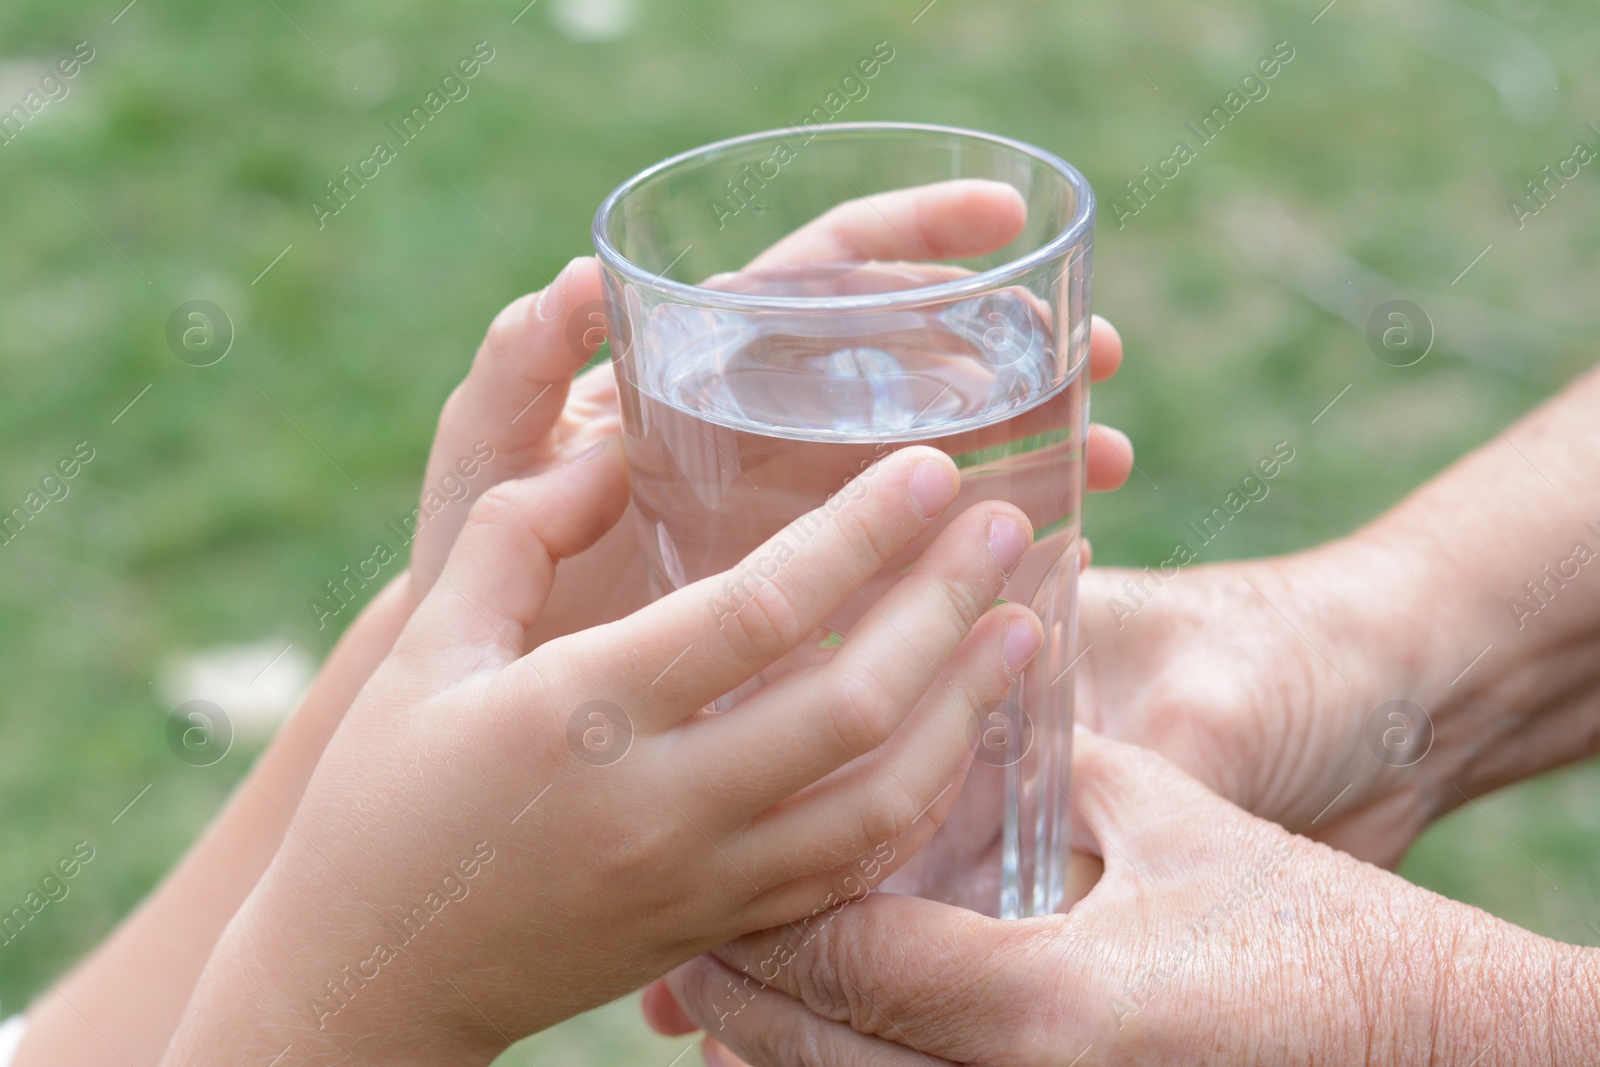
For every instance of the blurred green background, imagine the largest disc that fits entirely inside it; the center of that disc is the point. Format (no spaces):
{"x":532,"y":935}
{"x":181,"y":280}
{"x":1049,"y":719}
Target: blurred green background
{"x":183,"y":159}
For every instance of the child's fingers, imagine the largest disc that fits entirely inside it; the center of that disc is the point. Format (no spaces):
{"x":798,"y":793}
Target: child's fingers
{"x":1110,"y":458}
{"x":822,"y":719}
{"x":505,"y":406}
{"x":503,"y":563}
{"x":1110,"y":454}
{"x":1105,"y":349}
{"x":885,"y":797}
{"x":593,"y":398}
{"x":946,"y":220}
{"x":863,"y":872}
{"x":529,"y":354}
{"x":675,"y":656}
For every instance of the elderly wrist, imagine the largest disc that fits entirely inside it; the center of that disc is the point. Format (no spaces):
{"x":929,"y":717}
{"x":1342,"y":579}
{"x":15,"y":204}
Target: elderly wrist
{"x":1385,"y":595}
{"x":1419,"y":635}
{"x":1442,"y":982}
{"x":1507,"y":996}
{"x":1499,"y":646}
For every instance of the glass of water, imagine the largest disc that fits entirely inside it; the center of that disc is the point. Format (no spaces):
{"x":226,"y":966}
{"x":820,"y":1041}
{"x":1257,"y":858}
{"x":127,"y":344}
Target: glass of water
{"x":757,"y":375}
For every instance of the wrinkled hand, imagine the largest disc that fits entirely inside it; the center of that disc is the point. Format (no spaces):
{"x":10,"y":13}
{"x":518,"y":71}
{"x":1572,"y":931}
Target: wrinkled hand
{"x":1213,"y":938}
{"x":1263,"y":679}
{"x":1210,"y":674}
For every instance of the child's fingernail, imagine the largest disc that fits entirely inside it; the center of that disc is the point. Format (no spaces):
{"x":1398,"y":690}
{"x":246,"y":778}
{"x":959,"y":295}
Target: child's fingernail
{"x":1120,"y":441}
{"x":553,"y":301}
{"x":1007,"y":543}
{"x":1020,"y":644}
{"x":933,"y":486}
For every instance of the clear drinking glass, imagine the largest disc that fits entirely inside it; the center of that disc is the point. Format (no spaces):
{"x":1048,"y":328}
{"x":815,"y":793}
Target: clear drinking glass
{"x":753,"y":391}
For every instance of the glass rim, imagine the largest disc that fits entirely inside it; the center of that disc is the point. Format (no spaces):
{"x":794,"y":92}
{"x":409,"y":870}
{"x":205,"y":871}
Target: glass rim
{"x":1076,"y":229}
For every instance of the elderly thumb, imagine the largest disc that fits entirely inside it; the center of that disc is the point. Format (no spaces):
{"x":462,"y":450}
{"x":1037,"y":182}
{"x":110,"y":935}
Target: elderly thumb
{"x":1130,"y":805}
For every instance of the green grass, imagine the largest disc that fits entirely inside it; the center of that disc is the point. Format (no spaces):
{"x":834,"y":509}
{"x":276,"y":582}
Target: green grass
{"x":183,"y":160}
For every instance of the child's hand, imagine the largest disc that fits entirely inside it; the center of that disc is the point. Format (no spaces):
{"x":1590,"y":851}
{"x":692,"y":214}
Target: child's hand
{"x":495,"y":841}
{"x":521,"y":403}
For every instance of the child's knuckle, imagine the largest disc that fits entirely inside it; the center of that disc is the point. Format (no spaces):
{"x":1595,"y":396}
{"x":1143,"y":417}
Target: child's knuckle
{"x":861,"y":711}
{"x":506,"y":336}
{"x":967,"y":601}
{"x":498,"y":506}
{"x":890,"y":812}
{"x":768,"y":624}
{"x":865,"y":533}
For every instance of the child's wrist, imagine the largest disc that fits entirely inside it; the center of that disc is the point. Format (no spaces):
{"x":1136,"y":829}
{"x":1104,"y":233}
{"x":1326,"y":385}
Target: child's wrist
{"x":293,"y":1001}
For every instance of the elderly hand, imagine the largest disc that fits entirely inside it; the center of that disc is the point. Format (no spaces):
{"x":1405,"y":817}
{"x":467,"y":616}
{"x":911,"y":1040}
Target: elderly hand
{"x":1355,"y":692}
{"x":1264,"y":679}
{"x":1212,"y":938}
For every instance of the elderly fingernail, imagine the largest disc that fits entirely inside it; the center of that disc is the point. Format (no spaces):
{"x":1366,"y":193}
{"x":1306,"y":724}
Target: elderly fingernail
{"x":1007,"y":542}
{"x":1020,"y":644}
{"x":933,"y":486}
{"x":553,"y":301}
